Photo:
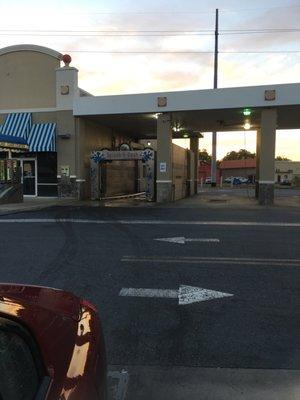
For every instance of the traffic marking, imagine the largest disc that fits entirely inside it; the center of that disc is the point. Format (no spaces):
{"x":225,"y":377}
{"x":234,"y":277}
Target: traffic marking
{"x":185,"y":294}
{"x":183,"y":240}
{"x":215,"y":260}
{"x":147,"y":222}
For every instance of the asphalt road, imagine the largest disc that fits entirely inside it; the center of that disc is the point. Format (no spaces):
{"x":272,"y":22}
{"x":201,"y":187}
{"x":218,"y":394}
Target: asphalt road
{"x":258,"y":328}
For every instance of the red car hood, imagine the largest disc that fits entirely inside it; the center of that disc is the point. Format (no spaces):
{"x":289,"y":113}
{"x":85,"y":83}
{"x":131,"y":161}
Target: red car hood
{"x":66,"y":329}
{"x":57,"y":301}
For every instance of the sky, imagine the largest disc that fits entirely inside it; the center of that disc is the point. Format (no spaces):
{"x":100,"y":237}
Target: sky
{"x":126,"y":46}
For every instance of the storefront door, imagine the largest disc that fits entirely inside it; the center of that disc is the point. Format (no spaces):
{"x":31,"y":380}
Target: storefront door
{"x":29,"y":177}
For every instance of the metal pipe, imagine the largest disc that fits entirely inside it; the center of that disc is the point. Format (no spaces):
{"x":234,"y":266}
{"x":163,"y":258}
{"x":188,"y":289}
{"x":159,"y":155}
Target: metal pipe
{"x":214,"y":134}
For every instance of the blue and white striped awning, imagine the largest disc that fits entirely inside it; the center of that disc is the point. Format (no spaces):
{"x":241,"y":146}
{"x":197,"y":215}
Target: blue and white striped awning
{"x":12,"y":142}
{"x":42,"y":137}
{"x":17,"y":124}
{"x":39,"y":137}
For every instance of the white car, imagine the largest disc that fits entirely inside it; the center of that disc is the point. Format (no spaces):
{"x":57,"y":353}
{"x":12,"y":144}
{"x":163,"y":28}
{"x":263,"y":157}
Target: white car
{"x":242,"y":179}
{"x":228,"y":180}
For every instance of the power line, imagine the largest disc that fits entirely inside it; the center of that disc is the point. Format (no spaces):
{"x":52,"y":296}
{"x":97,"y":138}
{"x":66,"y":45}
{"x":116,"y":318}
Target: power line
{"x":184,"y":52}
{"x":141,"y":33}
{"x":226,"y":10}
{"x":259,"y":29}
{"x":259,"y":8}
{"x":149,"y":31}
{"x":104,"y":35}
{"x":105,"y":31}
{"x":137,"y":52}
{"x":262,"y":52}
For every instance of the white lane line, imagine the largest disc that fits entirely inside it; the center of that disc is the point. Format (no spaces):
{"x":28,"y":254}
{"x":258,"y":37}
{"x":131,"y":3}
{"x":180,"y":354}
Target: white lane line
{"x":215,"y":260}
{"x":183,"y":240}
{"x":147,"y":222}
{"x":185,"y":294}
{"x":143,"y":292}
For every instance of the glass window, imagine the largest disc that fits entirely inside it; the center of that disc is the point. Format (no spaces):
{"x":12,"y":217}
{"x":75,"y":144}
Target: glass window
{"x":47,"y":191}
{"x":2,"y":171}
{"x":47,"y":167}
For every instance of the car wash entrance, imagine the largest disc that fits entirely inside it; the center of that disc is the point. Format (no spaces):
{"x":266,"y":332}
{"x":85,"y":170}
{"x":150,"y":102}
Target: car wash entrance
{"x":144,"y":167}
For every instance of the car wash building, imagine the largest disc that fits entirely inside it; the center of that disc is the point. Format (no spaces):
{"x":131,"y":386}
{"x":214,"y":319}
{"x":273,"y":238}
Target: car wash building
{"x":72,"y":144}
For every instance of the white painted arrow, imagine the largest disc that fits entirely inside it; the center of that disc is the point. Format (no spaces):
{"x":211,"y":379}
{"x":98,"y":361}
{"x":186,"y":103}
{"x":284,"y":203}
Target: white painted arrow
{"x":183,"y":240}
{"x":185,"y":294}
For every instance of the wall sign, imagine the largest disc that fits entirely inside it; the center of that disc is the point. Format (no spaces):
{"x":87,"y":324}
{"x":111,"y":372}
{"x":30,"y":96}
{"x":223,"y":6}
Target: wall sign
{"x":64,"y":90}
{"x":65,"y":170}
{"x":270,"y":95}
{"x":163,"y":167}
{"x":105,"y":155}
{"x":162,"y":101}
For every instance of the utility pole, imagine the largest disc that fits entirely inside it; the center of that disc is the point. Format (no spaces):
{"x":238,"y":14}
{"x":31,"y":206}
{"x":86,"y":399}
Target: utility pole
{"x":214,"y":134}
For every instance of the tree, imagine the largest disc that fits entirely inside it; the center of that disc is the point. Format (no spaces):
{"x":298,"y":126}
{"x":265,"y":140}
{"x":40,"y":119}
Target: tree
{"x":239,"y":155}
{"x":204,"y":156}
{"x":280,"y":158}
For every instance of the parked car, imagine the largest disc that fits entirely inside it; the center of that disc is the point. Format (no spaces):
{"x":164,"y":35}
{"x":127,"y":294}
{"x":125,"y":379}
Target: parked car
{"x":243,"y":179}
{"x":208,"y":180}
{"x":51,"y":346}
{"x":285,"y":182}
{"x":228,"y":180}
{"x":236,"y":181}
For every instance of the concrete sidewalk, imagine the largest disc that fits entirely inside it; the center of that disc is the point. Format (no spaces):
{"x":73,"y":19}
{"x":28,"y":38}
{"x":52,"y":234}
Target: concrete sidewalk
{"x":33,"y":204}
{"x":224,"y":198}
{"x":216,"y":198}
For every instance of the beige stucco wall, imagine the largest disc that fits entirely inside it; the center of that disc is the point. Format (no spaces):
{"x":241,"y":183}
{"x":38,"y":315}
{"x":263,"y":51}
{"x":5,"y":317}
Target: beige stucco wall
{"x":90,"y":136}
{"x":37,"y":117}
{"x":66,"y":148}
{"x":27,"y":80}
{"x":44,"y":117}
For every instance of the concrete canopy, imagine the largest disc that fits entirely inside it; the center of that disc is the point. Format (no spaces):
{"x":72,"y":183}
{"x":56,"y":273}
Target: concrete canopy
{"x":197,"y":110}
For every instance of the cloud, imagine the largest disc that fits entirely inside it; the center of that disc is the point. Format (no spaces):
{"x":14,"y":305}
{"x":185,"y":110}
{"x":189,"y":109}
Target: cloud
{"x":112,"y":73}
{"x":108,"y":73}
{"x":269,"y":19}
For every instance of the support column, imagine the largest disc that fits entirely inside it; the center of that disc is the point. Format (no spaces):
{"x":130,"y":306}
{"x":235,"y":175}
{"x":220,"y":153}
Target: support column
{"x":258,"y":144}
{"x":194,"y":146}
{"x":66,"y":155}
{"x":164,"y":167}
{"x":191,"y":177}
{"x":267,"y":156}
{"x":66,"y":91}
{"x":214,"y":160}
